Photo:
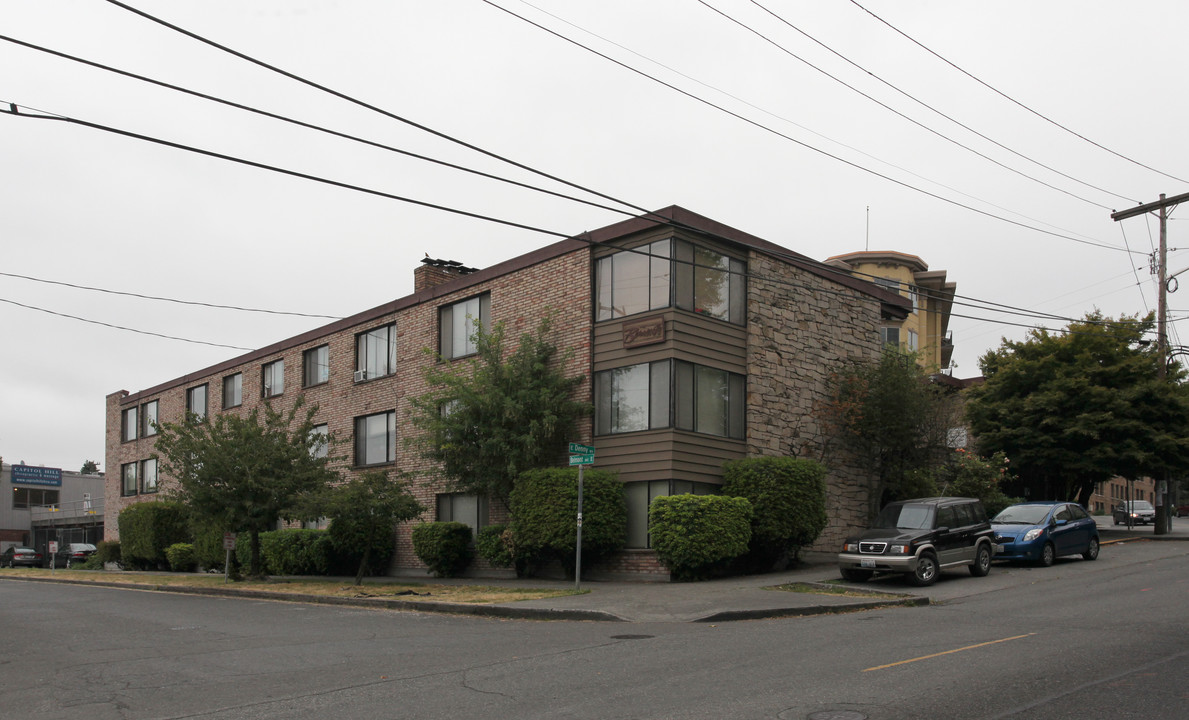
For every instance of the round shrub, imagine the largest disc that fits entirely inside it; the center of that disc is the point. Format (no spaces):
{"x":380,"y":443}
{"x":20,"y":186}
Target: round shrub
{"x":444,"y":546}
{"x":494,"y":544}
{"x":697,"y":535}
{"x":544,"y":509}
{"x":788,"y":500}
{"x":181,"y":557}
{"x":107,"y":551}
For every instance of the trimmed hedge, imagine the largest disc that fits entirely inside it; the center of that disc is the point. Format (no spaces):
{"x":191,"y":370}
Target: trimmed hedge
{"x":698,"y":535}
{"x":107,"y":551}
{"x":544,"y":509}
{"x":181,"y":557}
{"x":444,"y":546}
{"x":293,"y":552}
{"x":147,"y":529}
{"x":788,"y":500}
{"x":494,"y":544}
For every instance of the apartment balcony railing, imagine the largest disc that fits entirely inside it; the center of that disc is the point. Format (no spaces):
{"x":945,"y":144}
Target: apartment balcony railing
{"x":72,"y":512}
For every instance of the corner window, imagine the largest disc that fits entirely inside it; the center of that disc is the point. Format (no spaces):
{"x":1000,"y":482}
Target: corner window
{"x":460,"y":507}
{"x":315,"y":366}
{"x":273,"y":379}
{"x":128,"y":425}
{"x":233,"y":390}
{"x":458,"y":324}
{"x":632,"y":398}
{"x":196,"y":401}
{"x":320,"y":435}
{"x":375,"y":439}
{"x":375,"y":353}
{"x":148,"y":476}
{"x":634,"y":281}
{"x":710,"y":283}
{"x":149,"y":418}
{"x":128,"y":479}
{"x":709,"y":401}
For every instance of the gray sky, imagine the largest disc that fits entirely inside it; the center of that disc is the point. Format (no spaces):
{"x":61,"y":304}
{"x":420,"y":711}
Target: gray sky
{"x":91,"y":208}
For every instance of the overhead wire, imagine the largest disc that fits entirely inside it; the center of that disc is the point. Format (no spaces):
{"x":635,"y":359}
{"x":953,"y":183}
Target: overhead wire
{"x":1013,"y":100}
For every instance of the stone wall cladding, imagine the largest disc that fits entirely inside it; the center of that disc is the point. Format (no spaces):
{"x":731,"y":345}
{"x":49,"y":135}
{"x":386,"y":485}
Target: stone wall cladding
{"x":560,"y":285}
{"x":800,"y":327}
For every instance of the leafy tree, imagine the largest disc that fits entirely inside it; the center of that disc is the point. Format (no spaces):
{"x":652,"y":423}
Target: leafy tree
{"x":892,"y":418}
{"x":365,"y":512}
{"x":90,"y":467}
{"x":1077,"y":408}
{"x":244,"y":472}
{"x":966,"y":474}
{"x":489,"y":419}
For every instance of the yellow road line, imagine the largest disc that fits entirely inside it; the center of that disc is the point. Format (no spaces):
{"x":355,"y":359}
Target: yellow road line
{"x":948,"y":652}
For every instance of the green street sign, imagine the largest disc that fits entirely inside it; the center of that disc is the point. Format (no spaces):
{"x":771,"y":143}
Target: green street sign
{"x":578,"y":449}
{"x":584,"y":459}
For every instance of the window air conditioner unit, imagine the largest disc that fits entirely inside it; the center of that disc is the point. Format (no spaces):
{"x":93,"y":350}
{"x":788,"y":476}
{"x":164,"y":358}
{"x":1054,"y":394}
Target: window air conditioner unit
{"x":360,"y":375}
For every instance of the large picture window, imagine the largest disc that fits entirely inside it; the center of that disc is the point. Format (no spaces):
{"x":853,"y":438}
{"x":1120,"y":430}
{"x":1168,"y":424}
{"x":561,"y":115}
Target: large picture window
{"x":709,"y":401}
{"x":670,"y":273}
{"x":196,"y":401}
{"x":632,"y":398}
{"x":710,"y":283}
{"x":375,"y":439}
{"x":458,"y":324}
{"x":273,"y":378}
{"x":375,"y":353}
{"x":23,"y":497}
{"x":315,"y":366}
{"x":634,"y":281}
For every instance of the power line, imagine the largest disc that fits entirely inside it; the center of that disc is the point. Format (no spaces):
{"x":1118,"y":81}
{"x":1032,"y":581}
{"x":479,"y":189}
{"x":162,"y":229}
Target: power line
{"x":1011,"y":99}
{"x":761,"y":126}
{"x":311,"y":126}
{"x":935,"y":110}
{"x":166,"y":299}
{"x":121,"y":327}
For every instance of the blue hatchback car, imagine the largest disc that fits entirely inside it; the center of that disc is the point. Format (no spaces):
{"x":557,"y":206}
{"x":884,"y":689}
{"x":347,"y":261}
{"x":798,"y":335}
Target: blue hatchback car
{"x":1043,"y":531}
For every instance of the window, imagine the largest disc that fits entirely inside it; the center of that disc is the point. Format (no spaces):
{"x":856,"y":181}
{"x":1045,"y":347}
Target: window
{"x":149,"y":417}
{"x":632,"y":398}
{"x":463,"y":508}
{"x":320,"y":434}
{"x":886,"y":283}
{"x":315,"y":366}
{"x":890,"y":336}
{"x":129,"y":425}
{"x":912,"y":340}
{"x":375,"y":439}
{"x":148,"y":476}
{"x":273,"y":379}
{"x":710,"y":283}
{"x":634,"y":281}
{"x":233,"y":390}
{"x":23,"y":497}
{"x":639,"y":496}
{"x":196,"y":402}
{"x":128,"y":476}
{"x":375,"y":353}
{"x":458,"y":324}
{"x":709,"y":401}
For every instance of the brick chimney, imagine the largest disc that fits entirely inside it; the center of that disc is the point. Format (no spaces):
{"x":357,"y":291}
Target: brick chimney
{"x":435,"y":272}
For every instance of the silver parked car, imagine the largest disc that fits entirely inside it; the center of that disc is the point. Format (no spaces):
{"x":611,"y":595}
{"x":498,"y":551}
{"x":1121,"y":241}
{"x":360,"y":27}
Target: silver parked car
{"x":1141,"y":512}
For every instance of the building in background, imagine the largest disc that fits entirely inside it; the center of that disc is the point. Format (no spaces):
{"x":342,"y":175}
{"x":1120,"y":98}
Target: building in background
{"x":926,"y":329}
{"x":699,"y":344}
{"x":42,"y":504}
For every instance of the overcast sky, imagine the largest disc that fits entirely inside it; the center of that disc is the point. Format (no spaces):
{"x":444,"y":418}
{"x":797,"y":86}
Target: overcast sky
{"x":88,"y":207}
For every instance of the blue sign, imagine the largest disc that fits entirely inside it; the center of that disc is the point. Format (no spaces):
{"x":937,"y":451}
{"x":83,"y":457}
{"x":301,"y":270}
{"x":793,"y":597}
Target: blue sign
{"x":28,"y":475}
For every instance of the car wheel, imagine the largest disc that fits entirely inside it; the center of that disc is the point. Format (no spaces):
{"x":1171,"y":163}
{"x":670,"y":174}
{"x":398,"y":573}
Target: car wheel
{"x":852,"y":575}
{"x":926,"y":572}
{"x":1091,"y":550}
{"x":1048,"y":555}
{"x":982,"y":561}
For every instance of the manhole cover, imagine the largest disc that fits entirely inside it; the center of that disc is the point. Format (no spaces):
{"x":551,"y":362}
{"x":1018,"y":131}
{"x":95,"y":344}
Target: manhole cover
{"x":836,"y":715}
{"x":630,"y":637}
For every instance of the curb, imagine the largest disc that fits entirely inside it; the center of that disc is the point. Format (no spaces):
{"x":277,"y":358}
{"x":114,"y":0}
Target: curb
{"x":771,"y":613}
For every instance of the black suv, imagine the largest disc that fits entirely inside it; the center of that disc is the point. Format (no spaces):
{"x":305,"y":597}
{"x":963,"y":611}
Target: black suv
{"x":919,"y":538}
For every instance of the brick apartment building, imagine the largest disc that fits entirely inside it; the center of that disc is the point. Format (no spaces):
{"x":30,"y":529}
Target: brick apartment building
{"x":699,"y":344}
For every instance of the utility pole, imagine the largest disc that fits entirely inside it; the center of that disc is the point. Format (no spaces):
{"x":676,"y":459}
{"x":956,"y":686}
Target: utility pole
{"x":1164,"y":514}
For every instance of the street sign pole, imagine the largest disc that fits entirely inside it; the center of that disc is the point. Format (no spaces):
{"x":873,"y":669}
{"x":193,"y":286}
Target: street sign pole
{"x":578,"y":554}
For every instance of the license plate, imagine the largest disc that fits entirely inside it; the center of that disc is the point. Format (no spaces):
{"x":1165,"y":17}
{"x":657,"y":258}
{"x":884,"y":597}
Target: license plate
{"x":866,"y":562}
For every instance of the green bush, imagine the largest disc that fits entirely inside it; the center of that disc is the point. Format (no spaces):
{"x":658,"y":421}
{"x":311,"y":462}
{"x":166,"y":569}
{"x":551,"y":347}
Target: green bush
{"x":181,"y":557}
{"x":444,"y":546}
{"x":698,"y":535}
{"x":147,"y":529}
{"x":788,"y":500}
{"x":106,"y":551}
{"x":494,"y":544}
{"x":208,"y":545}
{"x":297,"y":552}
{"x":544,"y":509}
